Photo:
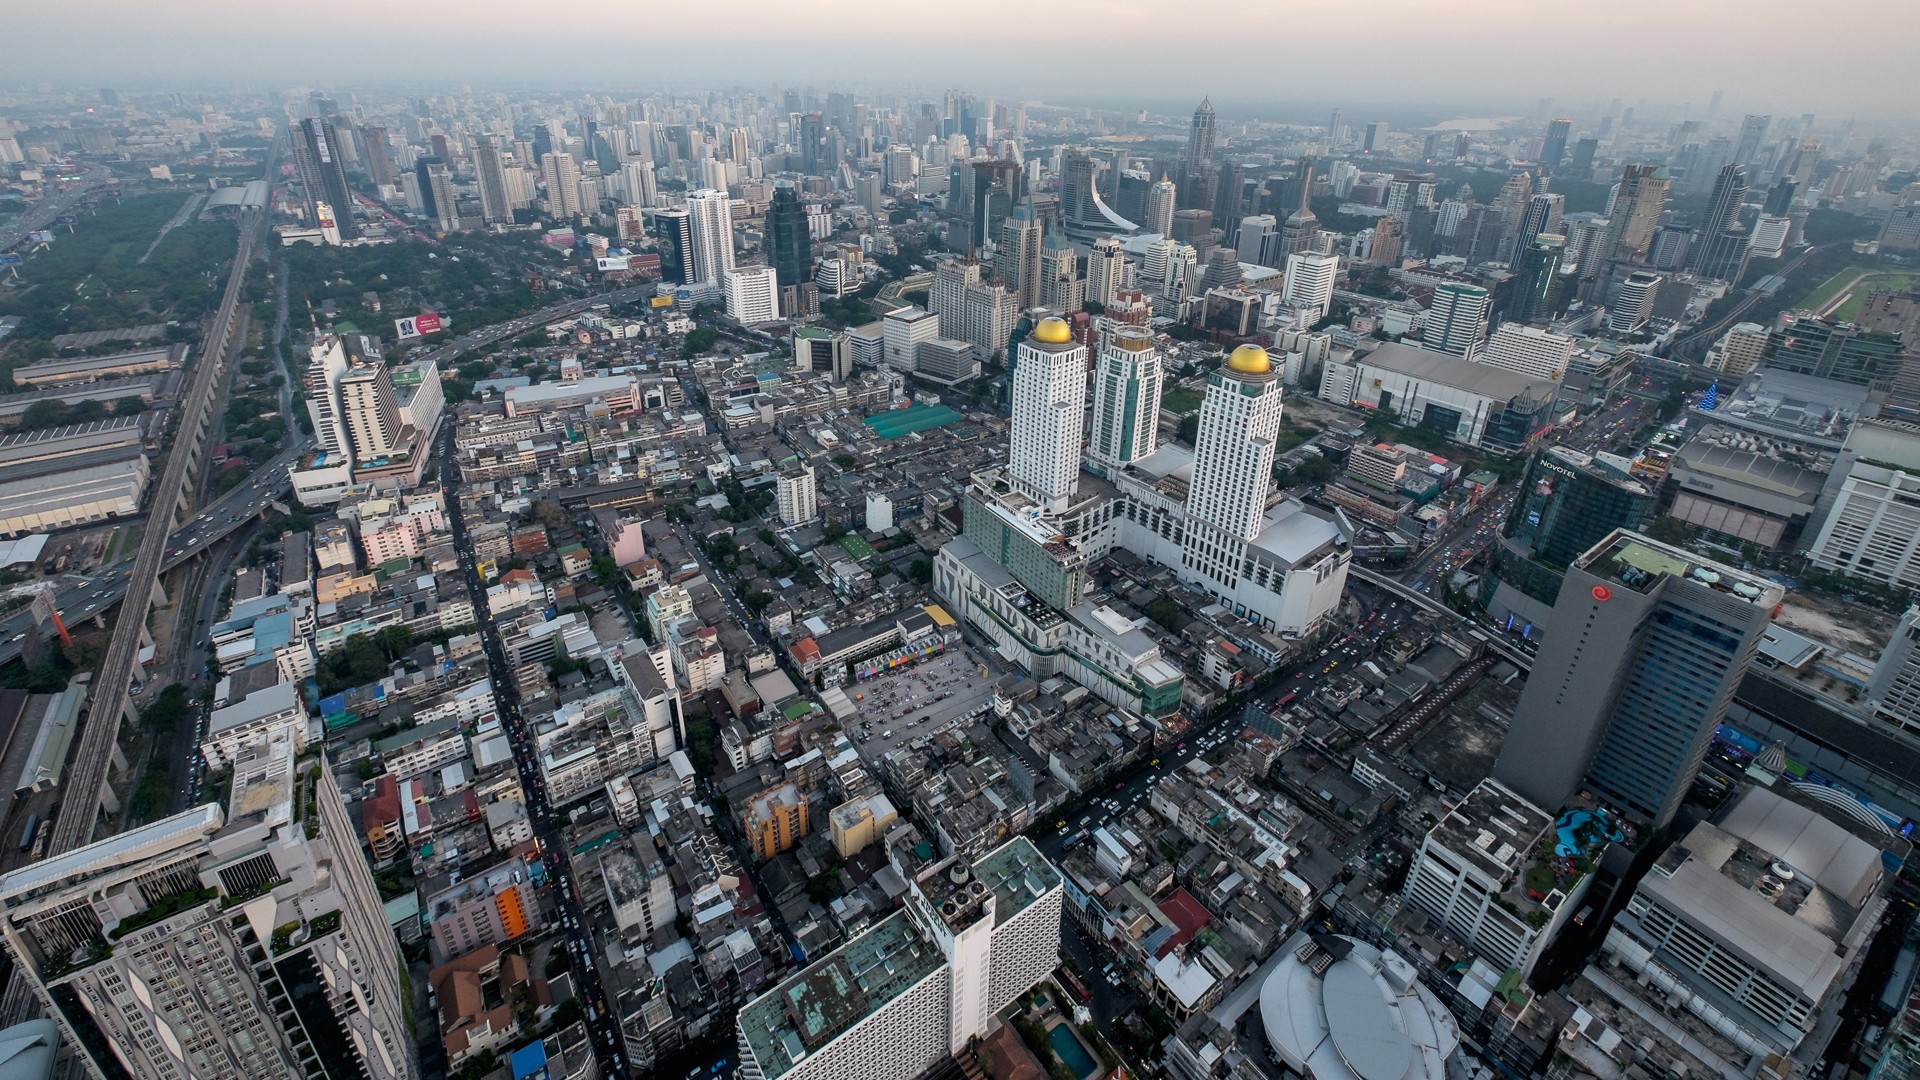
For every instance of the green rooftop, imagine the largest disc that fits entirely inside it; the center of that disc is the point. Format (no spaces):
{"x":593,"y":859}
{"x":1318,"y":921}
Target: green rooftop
{"x":895,"y":423}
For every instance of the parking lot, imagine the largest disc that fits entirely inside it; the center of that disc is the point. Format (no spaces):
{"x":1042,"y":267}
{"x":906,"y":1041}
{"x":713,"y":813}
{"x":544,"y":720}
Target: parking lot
{"x":898,"y":707}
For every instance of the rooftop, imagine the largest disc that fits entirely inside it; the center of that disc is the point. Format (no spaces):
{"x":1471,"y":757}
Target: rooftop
{"x":1455,"y":371}
{"x":1638,"y":562}
{"x":1492,"y":828}
{"x":1340,"y":1009}
{"x":807,"y":1010}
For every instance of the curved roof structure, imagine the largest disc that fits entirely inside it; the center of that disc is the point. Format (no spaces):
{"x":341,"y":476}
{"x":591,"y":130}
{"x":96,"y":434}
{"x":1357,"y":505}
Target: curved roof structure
{"x":1341,"y":1009}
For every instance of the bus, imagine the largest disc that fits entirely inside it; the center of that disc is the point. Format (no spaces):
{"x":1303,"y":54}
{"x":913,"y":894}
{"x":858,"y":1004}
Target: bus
{"x":1072,"y":984}
{"x":26,"y":837}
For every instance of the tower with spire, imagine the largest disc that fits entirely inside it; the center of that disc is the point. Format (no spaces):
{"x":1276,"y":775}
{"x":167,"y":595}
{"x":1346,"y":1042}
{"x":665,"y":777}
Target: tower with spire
{"x":1200,"y":136}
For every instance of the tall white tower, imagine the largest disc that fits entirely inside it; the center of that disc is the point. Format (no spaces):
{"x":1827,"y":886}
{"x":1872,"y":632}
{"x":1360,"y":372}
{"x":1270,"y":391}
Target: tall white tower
{"x":1126,"y":399}
{"x":1106,"y":271}
{"x":1159,"y":215}
{"x":1049,"y":396}
{"x":326,"y":366}
{"x":1309,"y":281}
{"x":1233,"y":452}
{"x":711,"y":212}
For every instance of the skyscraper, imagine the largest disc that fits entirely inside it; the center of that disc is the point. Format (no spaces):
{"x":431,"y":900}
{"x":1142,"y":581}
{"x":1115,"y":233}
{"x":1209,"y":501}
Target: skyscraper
{"x":1535,"y":296}
{"x":1233,"y":449}
{"x":1018,"y":261}
{"x":326,"y":366}
{"x":1049,"y":392}
{"x":1647,"y":645}
{"x":1309,"y":281}
{"x":814,"y":156}
{"x":674,"y":226}
{"x":1160,"y":201}
{"x":370,"y":411}
{"x":1723,"y":244}
{"x":1554,"y":146}
{"x":1106,"y":271}
{"x":1753,"y":135}
{"x":1126,"y":399}
{"x":495,"y":206}
{"x":323,"y":176}
{"x":1542,"y":216}
{"x":562,"y":175}
{"x":1376,"y":136}
{"x":753,"y":294}
{"x":1200,"y":136}
{"x":789,"y":243}
{"x":373,"y":138}
{"x":1333,"y":128}
{"x":712,"y":218}
{"x":1062,"y":288}
{"x":1457,"y":322}
{"x":436,"y":194}
{"x":229,"y":943}
{"x":1568,"y":501}
{"x":1636,"y":211}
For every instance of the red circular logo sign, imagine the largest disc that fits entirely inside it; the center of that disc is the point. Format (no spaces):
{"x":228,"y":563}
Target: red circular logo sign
{"x":1601,"y":592}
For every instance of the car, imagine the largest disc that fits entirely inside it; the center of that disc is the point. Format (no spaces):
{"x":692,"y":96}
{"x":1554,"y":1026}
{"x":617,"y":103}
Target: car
{"x":1061,"y":825}
{"x":1155,"y":761}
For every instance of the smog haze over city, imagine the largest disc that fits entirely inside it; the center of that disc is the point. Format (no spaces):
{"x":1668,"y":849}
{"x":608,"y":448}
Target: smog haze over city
{"x":1034,"y":542}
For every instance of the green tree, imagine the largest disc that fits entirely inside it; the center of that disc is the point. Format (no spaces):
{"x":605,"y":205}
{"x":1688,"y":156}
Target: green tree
{"x":1189,"y":432}
{"x":1166,"y":613}
{"x":129,"y":406}
{"x":1671,"y":530}
{"x":44,"y":414}
{"x":394,"y":641}
{"x":920,"y":571}
{"x":699,"y":341}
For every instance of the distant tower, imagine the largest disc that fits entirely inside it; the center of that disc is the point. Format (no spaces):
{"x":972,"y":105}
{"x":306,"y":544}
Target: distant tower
{"x":1159,"y":215}
{"x":1554,"y":147}
{"x":316,"y":157}
{"x":1457,"y":322}
{"x":1753,"y":135}
{"x":789,"y":245}
{"x":712,"y":219}
{"x":1126,"y":399}
{"x":1233,"y":449}
{"x":1049,"y":392}
{"x":1724,"y":244}
{"x":495,"y":207}
{"x":1018,"y":261}
{"x":1333,"y":129}
{"x":1200,"y":136}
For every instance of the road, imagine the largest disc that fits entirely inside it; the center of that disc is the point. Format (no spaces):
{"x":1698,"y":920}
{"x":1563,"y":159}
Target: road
{"x":48,"y":211}
{"x":104,"y":587}
{"x":1690,"y":345}
{"x":445,"y":354}
{"x":603,"y":1026}
{"x":109,"y":701}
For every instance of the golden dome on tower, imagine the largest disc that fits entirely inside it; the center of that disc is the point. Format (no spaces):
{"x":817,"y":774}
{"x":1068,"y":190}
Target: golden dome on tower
{"x":1053,"y":331}
{"x":1249,"y":360}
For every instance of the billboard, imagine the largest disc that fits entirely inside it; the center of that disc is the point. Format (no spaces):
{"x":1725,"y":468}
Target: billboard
{"x":611,"y":262}
{"x":662,"y":301}
{"x":420,"y":325}
{"x":9,"y":260}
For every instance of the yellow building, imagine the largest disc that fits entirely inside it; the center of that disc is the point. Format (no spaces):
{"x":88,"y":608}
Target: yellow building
{"x":776,"y":820}
{"x":858,"y":822}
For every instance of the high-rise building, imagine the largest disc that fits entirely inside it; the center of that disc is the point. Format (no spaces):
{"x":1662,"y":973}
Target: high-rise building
{"x":711,"y":212}
{"x":796,"y":496}
{"x":495,"y":206}
{"x":1126,"y":399}
{"x":436,"y":191}
{"x":562,"y":176}
{"x":1753,"y":135}
{"x":1528,"y":350}
{"x":1870,"y":531}
{"x":1062,"y":288}
{"x":1893,"y":694}
{"x":674,"y":226}
{"x":1106,"y":271}
{"x":1018,"y":261}
{"x":1467,"y":886}
{"x":815,"y":348}
{"x":1542,"y":215}
{"x":371,"y":412}
{"x":1160,"y":203}
{"x":1584,"y":151}
{"x":1049,"y":395}
{"x":1233,"y":448}
{"x":638,"y":181}
{"x":1553,"y":148}
{"x":1568,"y":501}
{"x":1334,"y":124}
{"x":1309,"y":281}
{"x":1845,"y":352}
{"x":1536,"y":287}
{"x":1632,"y":307}
{"x":918,"y":986}
{"x":815,"y":157}
{"x":972,"y":310}
{"x":753,"y":294}
{"x":1200,"y":136}
{"x":229,"y":943}
{"x":323,"y":175}
{"x":1457,"y":321}
{"x":326,"y":366}
{"x":902,"y":331}
{"x":789,"y":242}
{"x":1739,"y":350}
{"x":1388,"y":238}
{"x":1636,"y":212}
{"x":1376,"y":137}
{"x":373,"y":139}
{"x":1721,"y":252}
{"x":1648,"y":642}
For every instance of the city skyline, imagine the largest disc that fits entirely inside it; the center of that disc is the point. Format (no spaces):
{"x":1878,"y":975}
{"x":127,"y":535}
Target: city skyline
{"x":1699,"y":49}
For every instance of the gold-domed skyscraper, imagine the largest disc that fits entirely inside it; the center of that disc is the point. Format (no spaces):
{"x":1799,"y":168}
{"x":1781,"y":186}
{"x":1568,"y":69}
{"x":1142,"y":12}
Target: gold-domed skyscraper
{"x":1049,"y":392}
{"x":1233,"y":451}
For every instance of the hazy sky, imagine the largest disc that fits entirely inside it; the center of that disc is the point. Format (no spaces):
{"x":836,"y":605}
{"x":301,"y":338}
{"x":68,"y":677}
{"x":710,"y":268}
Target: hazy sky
{"x":1768,"y":55}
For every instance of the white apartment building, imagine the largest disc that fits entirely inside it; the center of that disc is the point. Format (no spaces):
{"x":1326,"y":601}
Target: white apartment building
{"x":1529,"y":351}
{"x":1308,"y":284}
{"x":796,"y":495}
{"x":917,"y":986}
{"x":1873,"y":530}
{"x":710,"y":215}
{"x":753,"y":295}
{"x":1049,"y":395}
{"x":902,"y":330}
